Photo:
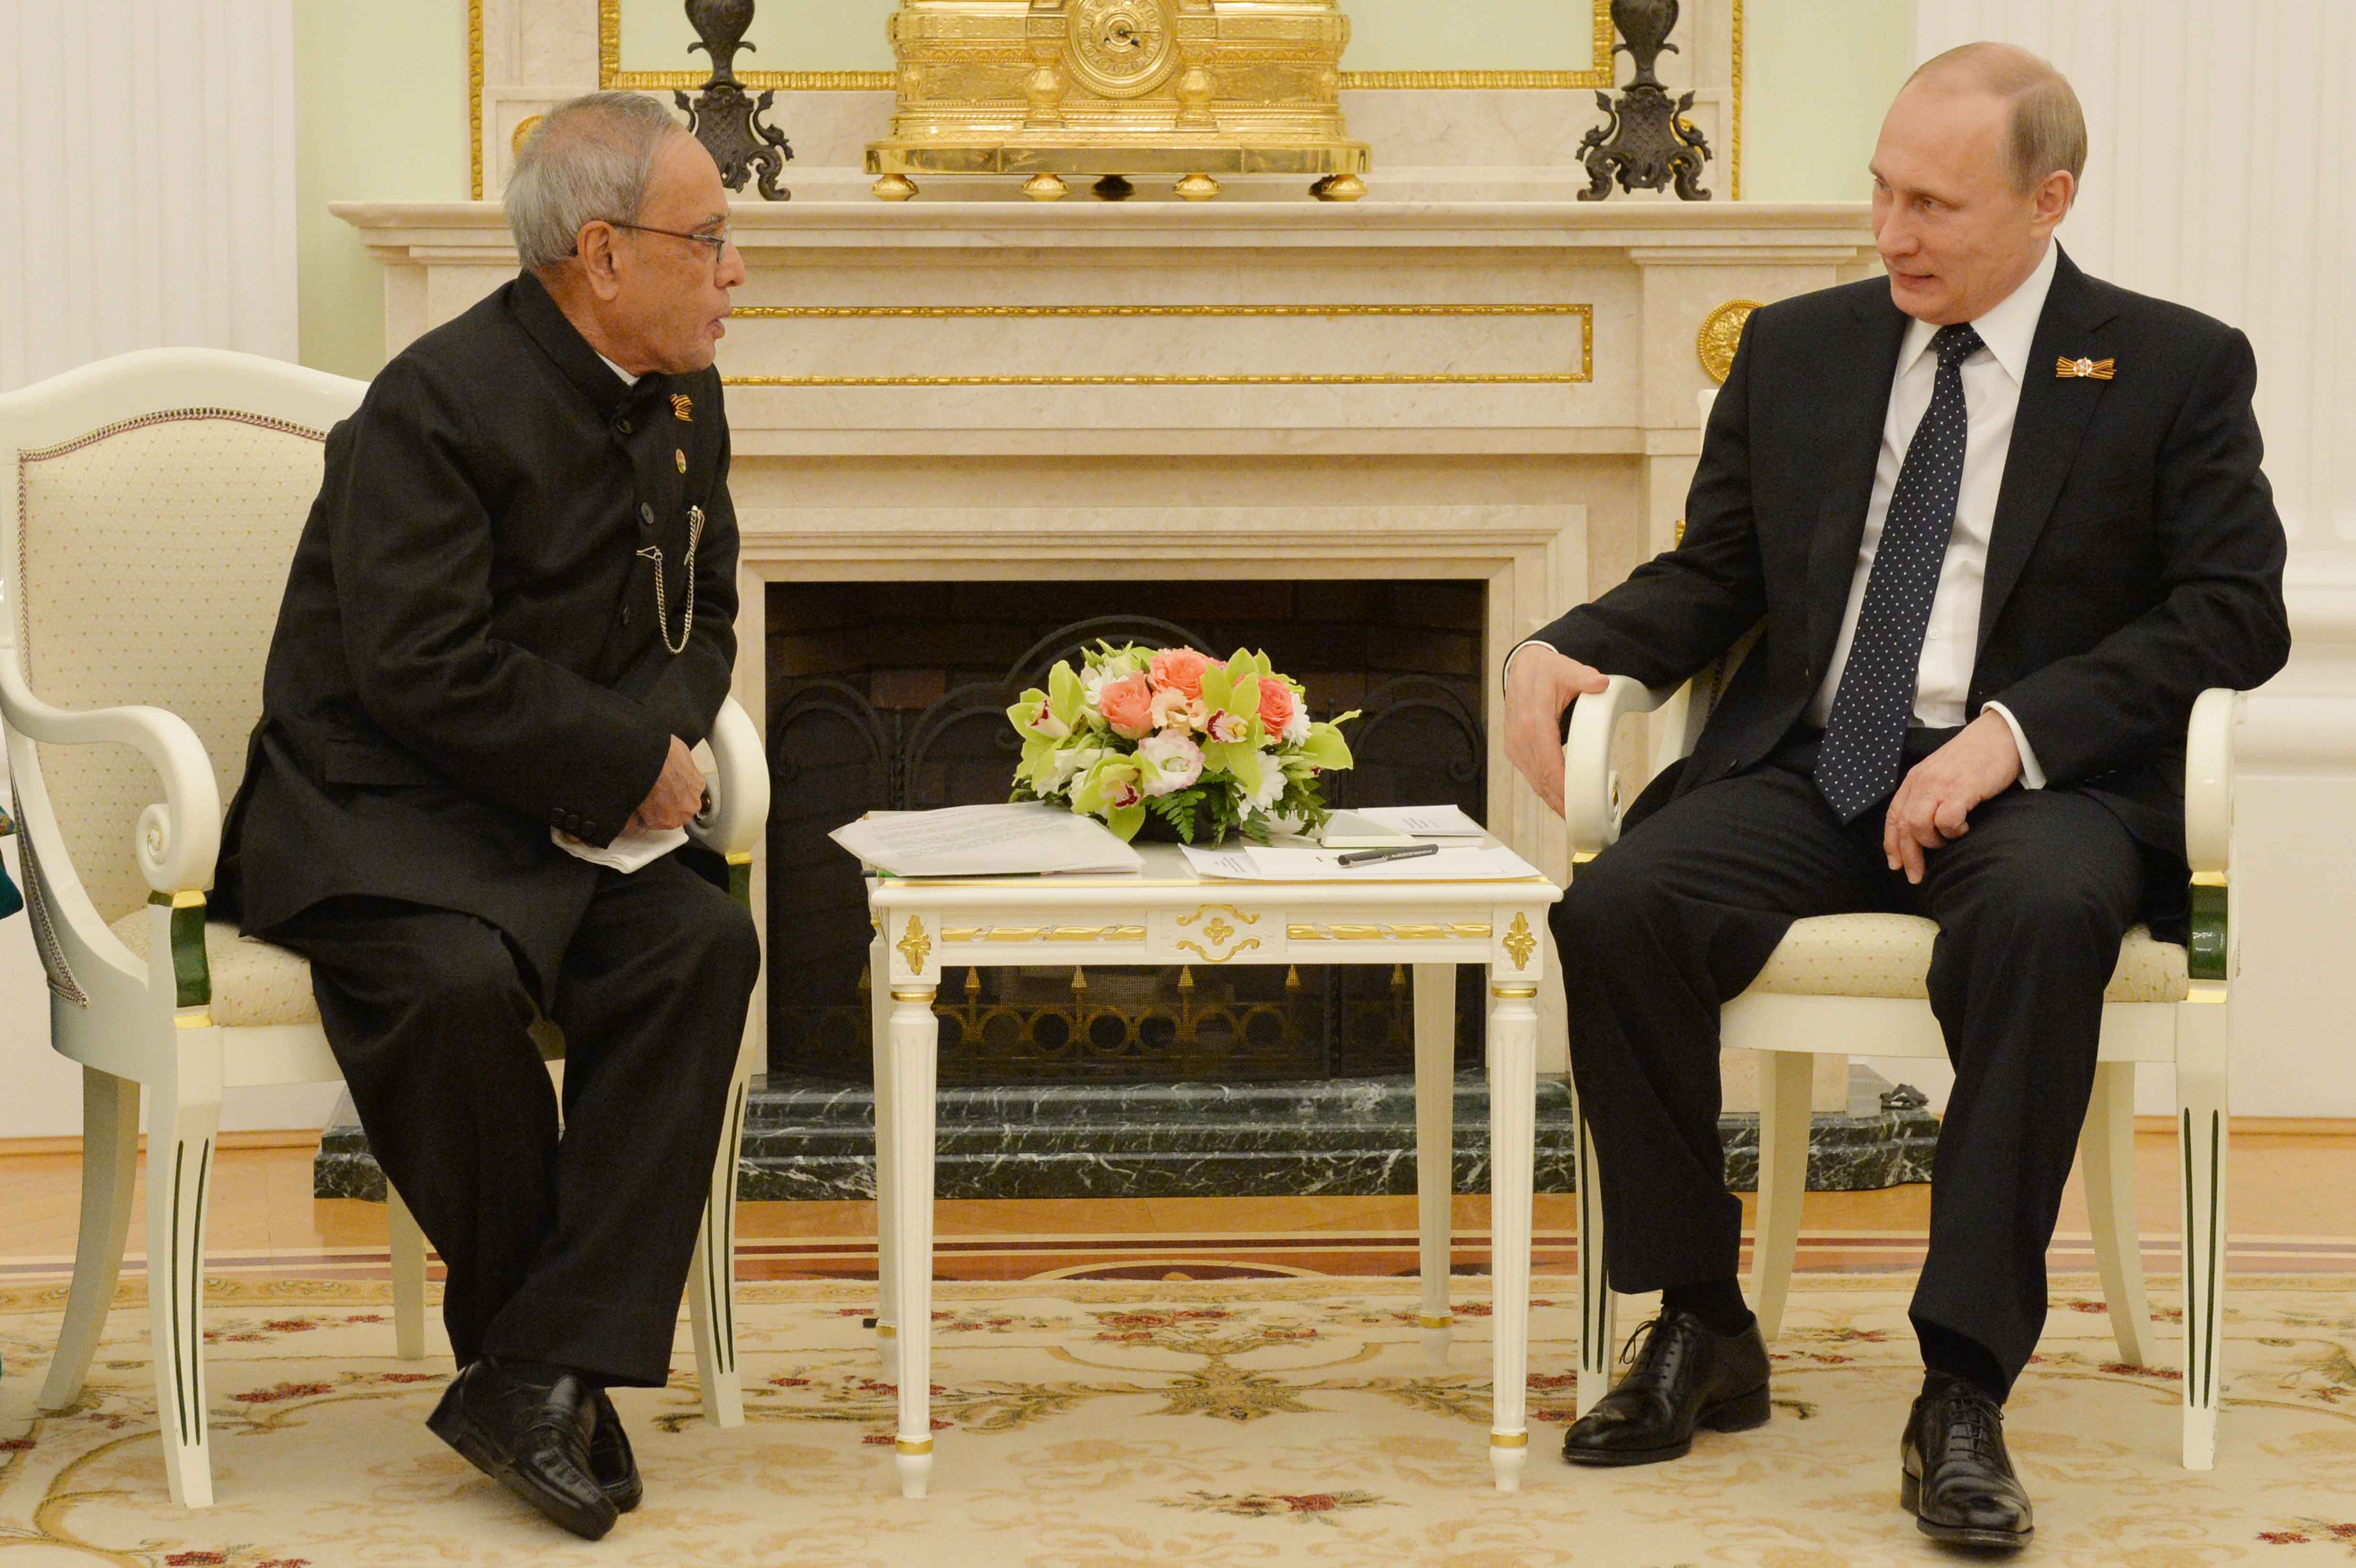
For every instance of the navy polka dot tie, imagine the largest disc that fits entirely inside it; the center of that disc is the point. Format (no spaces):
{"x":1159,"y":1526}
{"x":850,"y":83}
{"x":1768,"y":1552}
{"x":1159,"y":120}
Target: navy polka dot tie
{"x":1865,"y":738}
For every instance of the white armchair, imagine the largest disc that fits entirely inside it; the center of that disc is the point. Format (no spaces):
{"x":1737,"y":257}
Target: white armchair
{"x":157,"y":500}
{"x":1854,"y":983}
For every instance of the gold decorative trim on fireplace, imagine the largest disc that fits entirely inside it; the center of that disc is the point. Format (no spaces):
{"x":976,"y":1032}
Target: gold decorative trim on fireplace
{"x":1584,"y":312}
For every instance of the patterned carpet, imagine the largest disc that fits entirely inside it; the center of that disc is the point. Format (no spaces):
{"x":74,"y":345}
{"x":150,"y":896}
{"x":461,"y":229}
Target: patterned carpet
{"x":1093,"y":1424}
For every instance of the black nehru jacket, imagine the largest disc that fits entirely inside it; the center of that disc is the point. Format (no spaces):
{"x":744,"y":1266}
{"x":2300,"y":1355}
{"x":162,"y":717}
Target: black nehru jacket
{"x":2134,"y":560}
{"x":469,"y":651}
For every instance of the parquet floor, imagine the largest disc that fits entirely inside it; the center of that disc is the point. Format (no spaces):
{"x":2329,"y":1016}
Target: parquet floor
{"x":2292,"y":1209}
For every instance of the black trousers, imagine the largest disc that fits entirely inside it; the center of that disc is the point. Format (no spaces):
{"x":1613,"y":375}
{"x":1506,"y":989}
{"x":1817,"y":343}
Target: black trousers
{"x":1679,"y":916}
{"x":570,"y":1248}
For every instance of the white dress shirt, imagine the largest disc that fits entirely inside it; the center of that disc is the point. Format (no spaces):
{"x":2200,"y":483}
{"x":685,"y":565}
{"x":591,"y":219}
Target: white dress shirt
{"x":630,"y":380}
{"x":1993,"y":377}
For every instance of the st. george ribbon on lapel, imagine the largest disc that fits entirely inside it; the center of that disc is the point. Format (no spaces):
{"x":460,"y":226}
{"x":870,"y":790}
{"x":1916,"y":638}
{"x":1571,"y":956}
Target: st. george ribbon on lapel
{"x":2045,"y":433}
{"x":2084,"y":369}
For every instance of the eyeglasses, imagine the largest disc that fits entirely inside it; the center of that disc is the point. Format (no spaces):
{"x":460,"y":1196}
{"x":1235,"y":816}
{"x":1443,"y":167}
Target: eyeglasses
{"x":716,"y":244}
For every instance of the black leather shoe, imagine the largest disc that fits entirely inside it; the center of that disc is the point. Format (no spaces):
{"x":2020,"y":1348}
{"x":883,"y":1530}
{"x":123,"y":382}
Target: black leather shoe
{"x":1685,"y":1377}
{"x":531,"y":1437}
{"x":1954,"y":1475}
{"x":611,"y":1464}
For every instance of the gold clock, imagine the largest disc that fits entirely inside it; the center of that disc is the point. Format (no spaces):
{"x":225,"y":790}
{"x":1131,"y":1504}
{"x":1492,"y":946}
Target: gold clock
{"x":1190,"y":89}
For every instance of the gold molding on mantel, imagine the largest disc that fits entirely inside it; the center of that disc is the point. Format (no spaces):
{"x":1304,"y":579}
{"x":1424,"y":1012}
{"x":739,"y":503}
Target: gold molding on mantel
{"x":475,"y":98}
{"x":610,"y":74}
{"x":1584,"y":312}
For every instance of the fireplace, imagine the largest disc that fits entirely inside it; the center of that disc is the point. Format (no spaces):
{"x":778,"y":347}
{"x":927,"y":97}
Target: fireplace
{"x":893,"y":696}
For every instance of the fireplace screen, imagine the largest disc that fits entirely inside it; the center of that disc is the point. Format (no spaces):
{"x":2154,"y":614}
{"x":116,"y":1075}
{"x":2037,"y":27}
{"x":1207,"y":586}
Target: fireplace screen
{"x":893,"y":697}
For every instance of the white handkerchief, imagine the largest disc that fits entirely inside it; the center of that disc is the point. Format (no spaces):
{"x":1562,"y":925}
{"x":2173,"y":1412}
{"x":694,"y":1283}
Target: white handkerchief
{"x":636,"y":848}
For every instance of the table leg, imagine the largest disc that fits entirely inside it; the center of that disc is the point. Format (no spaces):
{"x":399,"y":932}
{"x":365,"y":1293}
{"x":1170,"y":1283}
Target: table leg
{"x":879,"y":970}
{"x":1513,"y":1112}
{"x":1435,"y":1146}
{"x":916,"y":1041}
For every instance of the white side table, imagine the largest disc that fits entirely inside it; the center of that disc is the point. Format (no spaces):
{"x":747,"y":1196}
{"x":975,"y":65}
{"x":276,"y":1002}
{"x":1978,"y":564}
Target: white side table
{"x":1167,"y":915}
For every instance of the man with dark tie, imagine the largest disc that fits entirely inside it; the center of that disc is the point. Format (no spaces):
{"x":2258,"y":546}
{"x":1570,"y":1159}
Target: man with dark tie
{"x":1997,"y":524}
{"x":508,"y":620}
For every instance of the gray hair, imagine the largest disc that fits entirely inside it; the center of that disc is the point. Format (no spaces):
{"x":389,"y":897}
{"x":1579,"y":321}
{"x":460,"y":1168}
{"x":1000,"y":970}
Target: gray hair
{"x":587,"y":161}
{"x":2048,"y":129}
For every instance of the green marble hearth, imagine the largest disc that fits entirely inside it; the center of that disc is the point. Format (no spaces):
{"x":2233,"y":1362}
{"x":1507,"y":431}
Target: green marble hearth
{"x":1348,"y":1136}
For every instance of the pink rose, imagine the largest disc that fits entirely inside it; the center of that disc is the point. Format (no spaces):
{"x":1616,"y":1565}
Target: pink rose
{"x":1126,"y":704}
{"x":1179,"y":669}
{"x":1276,"y":705}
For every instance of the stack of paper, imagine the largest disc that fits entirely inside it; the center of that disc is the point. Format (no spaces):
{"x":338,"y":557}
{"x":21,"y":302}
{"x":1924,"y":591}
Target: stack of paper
{"x":1029,"y":839}
{"x":1425,"y":821}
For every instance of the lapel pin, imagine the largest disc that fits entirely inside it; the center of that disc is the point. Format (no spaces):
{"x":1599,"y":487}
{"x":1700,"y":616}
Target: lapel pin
{"x":682,"y":407}
{"x":679,"y":458}
{"x":2085,"y":370}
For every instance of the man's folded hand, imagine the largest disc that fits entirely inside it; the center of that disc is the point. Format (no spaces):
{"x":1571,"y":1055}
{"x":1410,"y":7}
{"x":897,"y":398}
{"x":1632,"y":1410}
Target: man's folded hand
{"x":1934,"y":804}
{"x":1540,"y":683}
{"x":678,"y":795}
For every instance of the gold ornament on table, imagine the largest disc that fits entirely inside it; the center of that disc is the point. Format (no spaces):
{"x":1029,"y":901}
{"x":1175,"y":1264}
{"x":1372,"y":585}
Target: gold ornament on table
{"x":1190,"y":89}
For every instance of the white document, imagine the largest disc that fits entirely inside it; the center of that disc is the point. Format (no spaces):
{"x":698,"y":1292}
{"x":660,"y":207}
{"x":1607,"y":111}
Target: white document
{"x":1425,"y":821}
{"x":632,"y":849}
{"x":1032,"y":838}
{"x":1302,"y":862}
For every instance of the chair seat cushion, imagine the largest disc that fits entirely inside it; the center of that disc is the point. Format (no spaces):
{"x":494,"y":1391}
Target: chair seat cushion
{"x":254,"y":984}
{"x":1890,"y":955}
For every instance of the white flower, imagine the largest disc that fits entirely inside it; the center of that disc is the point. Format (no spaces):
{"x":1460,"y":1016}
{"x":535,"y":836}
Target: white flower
{"x":1271,"y":782}
{"x":1067,"y":764}
{"x":1109,"y":668}
{"x":1180,"y":759}
{"x":1296,"y":729}
{"x":1224,"y":727}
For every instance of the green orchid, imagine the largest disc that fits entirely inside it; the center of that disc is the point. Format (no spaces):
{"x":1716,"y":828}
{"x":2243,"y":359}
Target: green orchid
{"x":1231,"y":694}
{"x":1046,"y":720}
{"x":1115,"y":790}
{"x":1324,"y":747}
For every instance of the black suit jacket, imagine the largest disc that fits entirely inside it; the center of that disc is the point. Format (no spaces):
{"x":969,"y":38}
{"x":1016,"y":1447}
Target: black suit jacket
{"x":2135,"y":557}
{"x":467,"y":653}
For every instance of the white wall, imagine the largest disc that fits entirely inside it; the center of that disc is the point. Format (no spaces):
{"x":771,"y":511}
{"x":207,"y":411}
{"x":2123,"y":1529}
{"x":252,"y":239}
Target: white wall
{"x":148,"y":172}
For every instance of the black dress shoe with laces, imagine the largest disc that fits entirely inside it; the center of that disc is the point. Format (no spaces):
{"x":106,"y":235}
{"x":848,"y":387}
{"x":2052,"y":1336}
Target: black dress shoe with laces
{"x":531,"y":1436}
{"x":611,"y":1464}
{"x":1686,"y":1377}
{"x":1954,"y":1475}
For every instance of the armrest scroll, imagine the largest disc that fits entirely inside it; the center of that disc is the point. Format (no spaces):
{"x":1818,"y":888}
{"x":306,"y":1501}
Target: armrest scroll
{"x":738,"y":808}
{"x":179,"y":840}
{"x":1590,"y":789}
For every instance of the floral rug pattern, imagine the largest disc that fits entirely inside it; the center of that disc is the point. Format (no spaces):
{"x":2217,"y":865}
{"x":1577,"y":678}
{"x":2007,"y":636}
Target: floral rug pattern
{"x":1106,"y":1425}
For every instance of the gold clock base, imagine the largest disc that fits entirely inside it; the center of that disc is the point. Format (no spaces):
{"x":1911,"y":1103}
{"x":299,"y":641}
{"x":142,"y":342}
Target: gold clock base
{"x":1047,"y":164}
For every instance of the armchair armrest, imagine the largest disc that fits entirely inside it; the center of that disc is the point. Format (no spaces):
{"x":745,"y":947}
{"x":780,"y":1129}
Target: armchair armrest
{"x":2209,"y":781}
{"x":179,"y":840}
{"x":738,"y":808}
{"x":1590,"y":788}
{"x":2208,"y":833}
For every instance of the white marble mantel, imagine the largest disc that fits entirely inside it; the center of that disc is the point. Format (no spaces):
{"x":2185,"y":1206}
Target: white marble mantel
{"x":1496,"y":391}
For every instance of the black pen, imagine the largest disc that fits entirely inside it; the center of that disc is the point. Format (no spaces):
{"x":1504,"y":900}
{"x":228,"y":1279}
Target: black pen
{"x":1368,"y":857}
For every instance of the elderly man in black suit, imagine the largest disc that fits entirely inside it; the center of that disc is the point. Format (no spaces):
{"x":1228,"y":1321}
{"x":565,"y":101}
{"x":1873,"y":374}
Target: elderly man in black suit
{"x":508,"y":620}
{"x":1998,"y":524}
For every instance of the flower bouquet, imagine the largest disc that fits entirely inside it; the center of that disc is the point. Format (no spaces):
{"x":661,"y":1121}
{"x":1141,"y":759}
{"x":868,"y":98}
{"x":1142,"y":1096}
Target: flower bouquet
{"x":1192,"y":746}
